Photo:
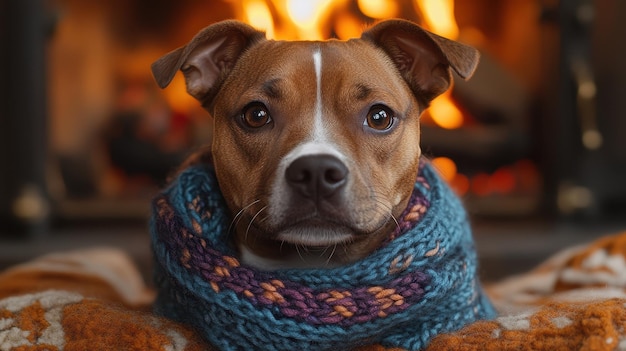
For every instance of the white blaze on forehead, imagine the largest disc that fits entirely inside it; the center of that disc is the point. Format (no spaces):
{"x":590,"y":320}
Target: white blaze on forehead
{"x":319,"y":133}
{"x":319,"y":142}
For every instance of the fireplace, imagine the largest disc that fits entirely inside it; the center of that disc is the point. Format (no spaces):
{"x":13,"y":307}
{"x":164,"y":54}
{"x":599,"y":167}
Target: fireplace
{"x":535,"y":133}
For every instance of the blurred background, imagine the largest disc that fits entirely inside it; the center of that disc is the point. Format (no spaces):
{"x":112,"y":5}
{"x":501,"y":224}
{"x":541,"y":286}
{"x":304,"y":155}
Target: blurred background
{"x":533,"y":143}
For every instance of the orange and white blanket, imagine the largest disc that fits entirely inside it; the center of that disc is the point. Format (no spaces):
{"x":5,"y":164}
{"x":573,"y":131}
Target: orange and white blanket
{"x":96,"y":300}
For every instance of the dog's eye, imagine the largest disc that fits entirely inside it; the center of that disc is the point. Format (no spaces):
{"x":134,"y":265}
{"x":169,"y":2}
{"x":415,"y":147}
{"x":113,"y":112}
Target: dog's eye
{"x":379,"y":118}
{"x":255,"y":115}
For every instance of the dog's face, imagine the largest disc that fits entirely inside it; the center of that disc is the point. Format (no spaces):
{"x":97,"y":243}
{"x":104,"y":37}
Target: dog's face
{"x":315,"y":160}
{"x":316,"y":144}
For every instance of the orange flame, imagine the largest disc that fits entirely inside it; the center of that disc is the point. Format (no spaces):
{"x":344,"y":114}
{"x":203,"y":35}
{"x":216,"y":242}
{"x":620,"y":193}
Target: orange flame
{"x":378,"y":8}
{"x":444,"y":112}
{"x":439,"y":17}
{"x":259,"y":16}
{"x":307,"y":15}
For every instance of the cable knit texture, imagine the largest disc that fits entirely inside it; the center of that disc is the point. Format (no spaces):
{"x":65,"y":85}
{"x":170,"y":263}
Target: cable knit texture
{"x":420,"y":283}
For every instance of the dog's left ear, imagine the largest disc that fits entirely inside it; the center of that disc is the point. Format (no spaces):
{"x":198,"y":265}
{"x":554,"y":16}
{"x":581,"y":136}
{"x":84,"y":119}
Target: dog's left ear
{"x":424,"y":59}
{"x":208,"y":58}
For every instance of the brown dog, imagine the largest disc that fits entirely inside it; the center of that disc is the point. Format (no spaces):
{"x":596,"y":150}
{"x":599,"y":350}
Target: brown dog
{"x":316,"y":144}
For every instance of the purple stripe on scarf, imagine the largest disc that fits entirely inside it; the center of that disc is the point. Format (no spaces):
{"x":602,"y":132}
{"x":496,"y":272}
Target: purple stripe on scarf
{"x":339,"y":306}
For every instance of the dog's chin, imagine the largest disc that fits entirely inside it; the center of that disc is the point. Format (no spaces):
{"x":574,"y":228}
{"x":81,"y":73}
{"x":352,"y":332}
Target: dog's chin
{"x":298,"y":247}
{"x":307,"y":243}
{"x":316,"y":235}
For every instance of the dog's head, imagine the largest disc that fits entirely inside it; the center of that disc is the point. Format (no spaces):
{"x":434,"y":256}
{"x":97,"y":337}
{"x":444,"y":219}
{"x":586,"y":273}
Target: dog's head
{"x":316,"y":144}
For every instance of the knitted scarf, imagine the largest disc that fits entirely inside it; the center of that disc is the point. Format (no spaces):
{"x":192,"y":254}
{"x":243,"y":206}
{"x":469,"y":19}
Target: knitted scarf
{"x":420,"y":283}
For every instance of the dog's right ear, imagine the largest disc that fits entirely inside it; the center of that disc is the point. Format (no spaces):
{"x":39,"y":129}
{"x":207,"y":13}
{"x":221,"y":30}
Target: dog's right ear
{"x":208,"y":58}
{"x":425,"y":60}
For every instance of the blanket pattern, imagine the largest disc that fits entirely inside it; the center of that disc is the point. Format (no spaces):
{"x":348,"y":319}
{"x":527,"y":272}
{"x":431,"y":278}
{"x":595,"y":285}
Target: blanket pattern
{"x":88,"y":300}
{"x":574,"y":301}
{"x":96,"y":300}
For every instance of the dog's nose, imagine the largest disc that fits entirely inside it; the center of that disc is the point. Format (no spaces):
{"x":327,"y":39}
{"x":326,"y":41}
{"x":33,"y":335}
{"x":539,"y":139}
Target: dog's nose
{"x":316,"y":176}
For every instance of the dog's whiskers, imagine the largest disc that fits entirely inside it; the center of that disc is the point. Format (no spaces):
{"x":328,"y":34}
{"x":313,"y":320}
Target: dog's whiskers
{"x":386,"y":209}
{"x":332,"y":253}
{"x":395,"y":220}
{"x":299,"y":253}
{"x":381,"y":209}
{"x":261,"y":220}
{"x":252,"y":221}
{"x":239,"y":215}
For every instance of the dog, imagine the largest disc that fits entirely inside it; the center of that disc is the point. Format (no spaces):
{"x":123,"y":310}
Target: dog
{"x":316,"y":144}
{"x":341,"y":235}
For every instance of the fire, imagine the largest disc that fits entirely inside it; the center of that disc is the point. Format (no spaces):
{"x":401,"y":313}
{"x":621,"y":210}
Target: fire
{"x":307,"y":15}
{"x":288,"y":19}
{"x":378,"y":8}
{"x":259,"y":16}
{"x":439,"y":16}
{"x":444,"y":112}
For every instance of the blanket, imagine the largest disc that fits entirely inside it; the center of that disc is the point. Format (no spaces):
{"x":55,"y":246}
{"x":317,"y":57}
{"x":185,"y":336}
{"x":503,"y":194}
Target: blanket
{"x":96,"y":300}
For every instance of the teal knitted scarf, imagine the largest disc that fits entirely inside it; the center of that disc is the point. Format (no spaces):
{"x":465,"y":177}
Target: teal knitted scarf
{"x":420,"y":283}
